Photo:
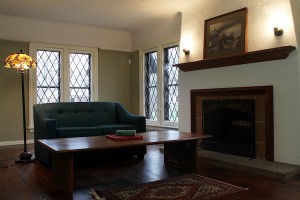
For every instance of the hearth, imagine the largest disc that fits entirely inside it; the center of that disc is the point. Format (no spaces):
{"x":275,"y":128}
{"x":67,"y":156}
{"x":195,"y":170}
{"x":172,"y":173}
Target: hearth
{"x":255,"y":106}
{"x":232,"y":126}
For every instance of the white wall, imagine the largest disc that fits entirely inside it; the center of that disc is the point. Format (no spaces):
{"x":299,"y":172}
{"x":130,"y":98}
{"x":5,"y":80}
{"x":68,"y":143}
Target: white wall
{"x":34,"y":30}
{"x":282,"y":74}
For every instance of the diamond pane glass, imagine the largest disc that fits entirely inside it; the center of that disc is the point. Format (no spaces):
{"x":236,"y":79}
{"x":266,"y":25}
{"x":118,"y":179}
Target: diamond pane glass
{"x":48,"y":76}
{"x":80,"y":77}
{"x":171,"y":57}
{"x":151,"y":86}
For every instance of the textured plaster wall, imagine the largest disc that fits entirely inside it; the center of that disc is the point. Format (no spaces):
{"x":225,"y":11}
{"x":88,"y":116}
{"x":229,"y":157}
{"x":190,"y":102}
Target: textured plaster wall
{"x":134,"y":82}
{"x":295,"y":5}
{"x":161,"y":32}
{"x":263,"y":15}
{"x":114,"y":78}
{"x":282,"y":74}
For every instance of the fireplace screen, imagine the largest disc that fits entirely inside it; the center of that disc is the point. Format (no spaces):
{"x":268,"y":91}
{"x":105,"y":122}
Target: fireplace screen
{"x":231,"y":124}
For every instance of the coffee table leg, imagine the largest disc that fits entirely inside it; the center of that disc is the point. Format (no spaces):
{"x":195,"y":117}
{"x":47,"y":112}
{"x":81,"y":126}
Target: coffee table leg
{"x":182,"y":155}
{"x":62,"y":169}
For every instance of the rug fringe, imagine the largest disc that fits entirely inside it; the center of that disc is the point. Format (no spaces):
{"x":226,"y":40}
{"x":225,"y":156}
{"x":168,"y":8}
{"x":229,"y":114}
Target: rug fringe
{"x":94,"y":194}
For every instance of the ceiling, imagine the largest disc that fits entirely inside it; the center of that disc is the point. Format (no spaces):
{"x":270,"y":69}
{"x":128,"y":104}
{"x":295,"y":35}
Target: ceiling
{"x":127,"y":15}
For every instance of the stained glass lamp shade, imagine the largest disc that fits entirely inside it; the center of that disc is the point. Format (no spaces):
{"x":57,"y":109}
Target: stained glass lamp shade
{"x":20,"y":61}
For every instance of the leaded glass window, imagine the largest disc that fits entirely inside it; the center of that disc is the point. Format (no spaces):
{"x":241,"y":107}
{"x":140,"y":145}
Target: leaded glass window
{"x":161,"y":85}
{"x":171,"y":55}
{"x":48,"y":76}
{"x":64,"y":73}
{"x":49,"y":73}
{"x":80,"y":77}
{"x":151,"y":86}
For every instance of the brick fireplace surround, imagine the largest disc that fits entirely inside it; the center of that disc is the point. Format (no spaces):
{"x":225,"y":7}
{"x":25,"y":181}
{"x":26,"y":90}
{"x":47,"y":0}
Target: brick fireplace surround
{"x":263,"y":98}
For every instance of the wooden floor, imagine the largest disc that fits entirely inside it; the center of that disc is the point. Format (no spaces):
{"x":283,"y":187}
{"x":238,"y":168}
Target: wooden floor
{"x":34,"y":181}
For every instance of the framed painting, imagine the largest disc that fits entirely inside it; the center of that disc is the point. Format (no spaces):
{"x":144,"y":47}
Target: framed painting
{"x":225,"y":34}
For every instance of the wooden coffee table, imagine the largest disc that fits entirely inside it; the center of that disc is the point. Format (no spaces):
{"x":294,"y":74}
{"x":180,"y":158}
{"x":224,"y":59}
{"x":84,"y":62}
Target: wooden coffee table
{"x":180,"y":151}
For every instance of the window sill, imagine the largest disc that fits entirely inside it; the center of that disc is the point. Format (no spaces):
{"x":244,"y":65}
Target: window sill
{"x":160,"y":127}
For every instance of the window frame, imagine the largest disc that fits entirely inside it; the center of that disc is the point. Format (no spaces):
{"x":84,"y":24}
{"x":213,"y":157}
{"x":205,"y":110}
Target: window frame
{"x":167,"y":123}
{"x":160,"y":85}
{"x":157,"y":86}
{"x":65,"y":51}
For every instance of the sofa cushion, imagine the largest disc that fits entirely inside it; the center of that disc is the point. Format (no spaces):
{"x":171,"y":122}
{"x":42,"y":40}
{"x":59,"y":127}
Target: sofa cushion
{"x":82,"y":114}
{"x":66,"y":132}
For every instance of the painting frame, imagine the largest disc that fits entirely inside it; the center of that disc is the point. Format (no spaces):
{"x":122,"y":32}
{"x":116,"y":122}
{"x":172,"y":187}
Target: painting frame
{"x":225,"y":34}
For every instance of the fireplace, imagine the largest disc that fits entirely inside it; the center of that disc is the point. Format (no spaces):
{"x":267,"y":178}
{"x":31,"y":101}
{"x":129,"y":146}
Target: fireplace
{"x":253,"y":129}
{"x":232,"y":126}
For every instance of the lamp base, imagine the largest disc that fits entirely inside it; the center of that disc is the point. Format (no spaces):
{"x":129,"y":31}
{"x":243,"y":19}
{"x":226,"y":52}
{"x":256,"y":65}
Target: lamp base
{"x":25,"y":157}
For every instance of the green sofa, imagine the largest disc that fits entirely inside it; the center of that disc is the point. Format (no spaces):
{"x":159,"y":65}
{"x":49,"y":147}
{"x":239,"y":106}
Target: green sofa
{"x":81,"y":119}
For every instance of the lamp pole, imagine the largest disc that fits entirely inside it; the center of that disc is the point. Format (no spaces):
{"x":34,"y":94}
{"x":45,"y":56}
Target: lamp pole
{"x":26,"y":156}
{"x":24,"y":115}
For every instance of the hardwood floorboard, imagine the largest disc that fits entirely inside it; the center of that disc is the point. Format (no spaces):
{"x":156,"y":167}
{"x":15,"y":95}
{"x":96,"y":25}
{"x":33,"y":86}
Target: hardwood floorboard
{"x":34,"y":180}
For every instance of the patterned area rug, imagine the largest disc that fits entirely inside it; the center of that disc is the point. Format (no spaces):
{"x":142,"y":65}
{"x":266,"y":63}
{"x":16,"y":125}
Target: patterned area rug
{"x":186,"y":187}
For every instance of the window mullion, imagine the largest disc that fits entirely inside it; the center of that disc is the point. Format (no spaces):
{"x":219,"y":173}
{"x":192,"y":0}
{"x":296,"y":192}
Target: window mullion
{"x":94,"y":75}
{"x":64,"y":79}
{"x":160,"y":85}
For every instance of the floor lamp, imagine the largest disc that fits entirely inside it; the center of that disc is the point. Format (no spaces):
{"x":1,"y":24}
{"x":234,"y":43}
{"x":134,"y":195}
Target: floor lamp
{"x":22,"y":63}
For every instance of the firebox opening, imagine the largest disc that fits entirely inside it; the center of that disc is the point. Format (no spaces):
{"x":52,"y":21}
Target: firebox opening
{"x":231,"y":124}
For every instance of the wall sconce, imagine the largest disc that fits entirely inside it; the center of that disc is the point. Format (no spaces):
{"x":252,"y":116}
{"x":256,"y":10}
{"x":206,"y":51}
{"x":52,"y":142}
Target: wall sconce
{"x":186,"y":51}
{"x":278,"y":31}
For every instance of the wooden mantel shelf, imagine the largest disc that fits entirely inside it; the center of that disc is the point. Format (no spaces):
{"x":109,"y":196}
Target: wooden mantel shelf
{"x":238,"y":59}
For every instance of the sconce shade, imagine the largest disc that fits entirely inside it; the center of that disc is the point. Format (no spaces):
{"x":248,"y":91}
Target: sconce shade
{"x":278,"y":31}
{"x":20,"y":61}
{"x":186,"y":51}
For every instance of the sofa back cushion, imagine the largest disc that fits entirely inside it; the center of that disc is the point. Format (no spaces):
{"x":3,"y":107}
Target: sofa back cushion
{"x":82,"y":114}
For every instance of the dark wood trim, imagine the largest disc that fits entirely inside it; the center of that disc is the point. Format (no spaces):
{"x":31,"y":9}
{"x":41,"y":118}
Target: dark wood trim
{"x":257,"y":90}
{"x":238,"y":59}
{"x":270,"y":125}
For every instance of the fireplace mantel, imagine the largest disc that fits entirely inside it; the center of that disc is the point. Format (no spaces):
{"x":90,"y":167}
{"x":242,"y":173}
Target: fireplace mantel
{"x":238,"y":59}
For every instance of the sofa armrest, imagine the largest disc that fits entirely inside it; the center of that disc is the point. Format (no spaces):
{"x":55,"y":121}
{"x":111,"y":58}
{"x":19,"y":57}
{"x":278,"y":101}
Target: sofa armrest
{"x":126,"y":117}
{"x":44,"y":127}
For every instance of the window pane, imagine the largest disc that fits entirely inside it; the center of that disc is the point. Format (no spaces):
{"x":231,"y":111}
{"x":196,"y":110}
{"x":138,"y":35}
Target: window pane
{"x":151,"y":86}
{"x":80,"y":77}
{"x":171,"y":56}
{"x":48,"y":76}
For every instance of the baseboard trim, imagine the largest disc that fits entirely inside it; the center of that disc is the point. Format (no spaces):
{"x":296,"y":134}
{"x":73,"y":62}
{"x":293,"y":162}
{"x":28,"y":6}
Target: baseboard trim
{"x":16,"y":142}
